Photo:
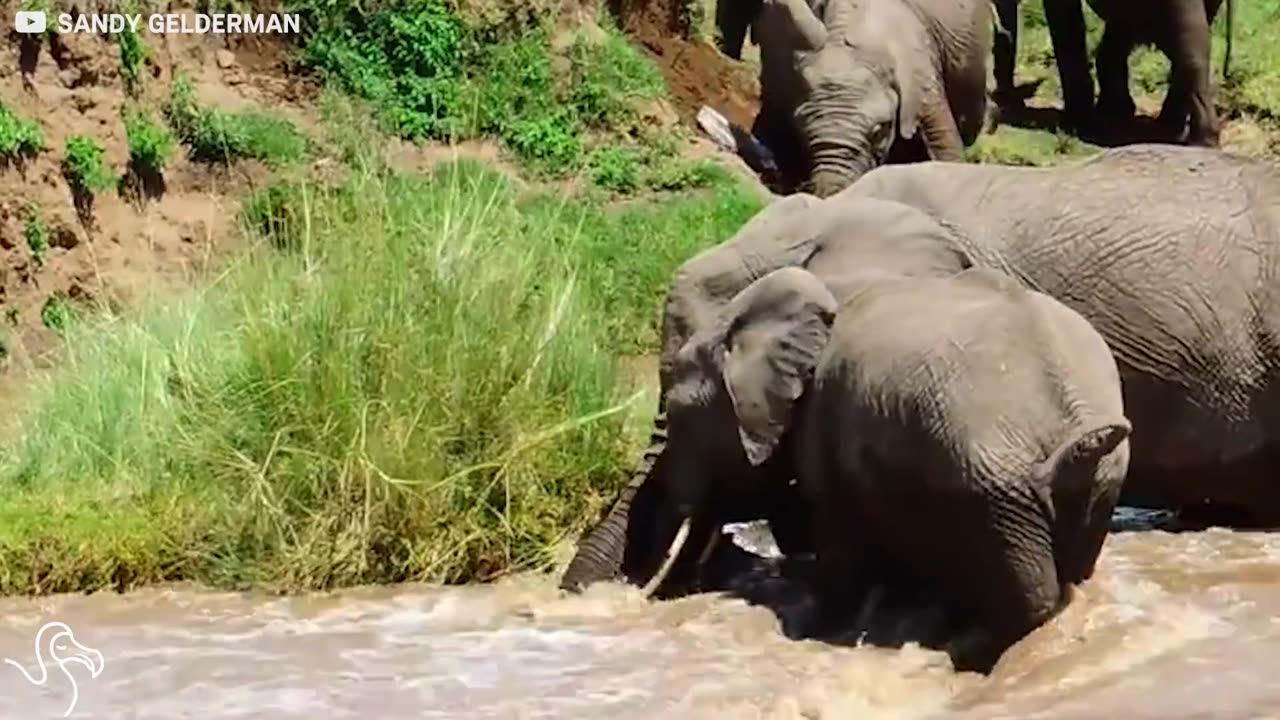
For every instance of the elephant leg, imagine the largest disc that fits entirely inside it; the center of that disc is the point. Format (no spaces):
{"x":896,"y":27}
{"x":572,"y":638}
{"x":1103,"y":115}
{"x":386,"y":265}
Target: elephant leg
{"x":1014,"y":554}
{"x":733,"y":17}
{"x":1188,"y":50}
{"x":1005,"y":51}
{"x":790,"y":519}
{"x":1114,"y":100}
{"x":1174,"y":110}
{"x":1067,"y":32}
{"x":844,"y":573}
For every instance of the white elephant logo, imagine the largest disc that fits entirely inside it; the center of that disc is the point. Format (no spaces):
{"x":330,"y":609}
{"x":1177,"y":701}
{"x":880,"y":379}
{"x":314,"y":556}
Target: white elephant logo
{"x":56,"y":647}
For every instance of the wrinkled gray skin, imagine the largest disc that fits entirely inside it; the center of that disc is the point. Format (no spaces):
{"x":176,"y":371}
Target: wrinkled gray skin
{"x":857,"y":82}
{"x":962,"y":436}
{"x":700,"y":470}
{"x":1178,"y":28}
{"x":1173,"y":254}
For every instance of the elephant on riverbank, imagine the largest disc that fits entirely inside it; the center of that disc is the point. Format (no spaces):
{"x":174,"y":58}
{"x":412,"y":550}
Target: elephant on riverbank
{"x":695,"y":476}
{"x":846,"y":86}
{"x":1173,"y":254}
{"x":1178,"y":28}
{"x":962,"y":436}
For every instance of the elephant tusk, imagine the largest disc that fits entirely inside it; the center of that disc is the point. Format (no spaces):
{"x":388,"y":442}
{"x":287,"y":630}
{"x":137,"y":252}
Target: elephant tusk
{"x":868,"y":611}
{"x":712,"y":542}
{"x":673,"y":552}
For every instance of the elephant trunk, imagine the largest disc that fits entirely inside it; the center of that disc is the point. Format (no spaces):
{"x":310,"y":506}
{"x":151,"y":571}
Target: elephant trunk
{"x":828,"y":178}
{"x":836,"y":165}
{"x":601,"y":552}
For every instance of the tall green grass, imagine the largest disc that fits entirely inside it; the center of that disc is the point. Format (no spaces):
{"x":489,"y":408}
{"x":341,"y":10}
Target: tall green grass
{"x":408,"y":377}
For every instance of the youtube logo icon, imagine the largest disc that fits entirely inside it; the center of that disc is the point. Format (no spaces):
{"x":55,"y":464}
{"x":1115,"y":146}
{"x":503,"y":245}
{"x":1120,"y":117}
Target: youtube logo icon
{"x":29,"y":22}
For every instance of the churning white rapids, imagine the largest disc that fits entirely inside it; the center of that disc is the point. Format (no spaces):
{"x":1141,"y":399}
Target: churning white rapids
{"x":1172,"y":626}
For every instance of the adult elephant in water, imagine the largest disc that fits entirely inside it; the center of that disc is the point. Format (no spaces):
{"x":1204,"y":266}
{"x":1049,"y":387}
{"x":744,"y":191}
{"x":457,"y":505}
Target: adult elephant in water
{"x":961,"y":437}
{"x":1173,"y":254}
{"x":697,"y":474}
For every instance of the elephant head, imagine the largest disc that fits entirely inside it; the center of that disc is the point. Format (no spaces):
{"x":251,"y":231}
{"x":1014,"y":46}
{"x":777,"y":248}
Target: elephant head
{"x":622,"y":541}
{"x":734,"y":390}
{"x":849,"y":106}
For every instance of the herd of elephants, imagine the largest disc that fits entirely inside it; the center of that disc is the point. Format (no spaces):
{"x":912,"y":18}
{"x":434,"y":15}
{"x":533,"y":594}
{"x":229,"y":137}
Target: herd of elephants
{"x":937,"y":380}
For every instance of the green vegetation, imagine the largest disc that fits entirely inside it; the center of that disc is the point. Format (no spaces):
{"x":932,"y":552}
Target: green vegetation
{"x":56,"y":313}
{"x":19,"y":137}
{"x":562,"y":103}
{"x":84,"y":166}
{"x":132,"y":55}
{"x":1254,"y":85}
{"x":150,"y":143}
{"x":1253,"y":89}
{"x":215,"y":135}
{"x":421,"y":386}
{"x":404,"y":376}
{"x":37,"y":237}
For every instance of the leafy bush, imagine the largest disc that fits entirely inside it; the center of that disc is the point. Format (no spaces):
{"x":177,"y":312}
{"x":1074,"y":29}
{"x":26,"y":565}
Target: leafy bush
{"x":150,"y":143}
{"x":56,"y":313}
{"x":406,"y":57}
{"x":132,"y":55}
{"x":84,"y":166}
{"x":432,"y":76}
{"x":37,"y":237}
{"x":18,"y":137}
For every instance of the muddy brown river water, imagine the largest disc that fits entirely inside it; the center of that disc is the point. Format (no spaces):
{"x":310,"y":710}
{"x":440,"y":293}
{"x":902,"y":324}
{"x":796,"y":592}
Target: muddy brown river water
{"x":1171,"y":626}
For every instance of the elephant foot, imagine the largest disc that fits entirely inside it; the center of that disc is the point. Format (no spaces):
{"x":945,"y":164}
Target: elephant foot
{"x":1118,"y":108}
{"x":1172,"y":127}
{"x":1209,"y":137}
{"x":1079,"y":120}
{"x":973,"y":651}
{"x":1008,"y":99}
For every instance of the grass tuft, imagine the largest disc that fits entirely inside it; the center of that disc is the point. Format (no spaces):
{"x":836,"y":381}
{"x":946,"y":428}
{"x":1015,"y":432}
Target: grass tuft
{"x":19,"y":137}
{"x":84,"y":165}
{"x":215,"y":135}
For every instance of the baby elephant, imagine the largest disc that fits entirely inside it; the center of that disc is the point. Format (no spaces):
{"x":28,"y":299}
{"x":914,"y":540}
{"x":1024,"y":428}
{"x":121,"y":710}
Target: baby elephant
{"x":962,"y":438}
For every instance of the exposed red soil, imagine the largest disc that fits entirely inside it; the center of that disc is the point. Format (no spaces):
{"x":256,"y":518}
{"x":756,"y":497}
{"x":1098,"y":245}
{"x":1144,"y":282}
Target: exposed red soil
{"x":128,"y":245}
{"x":696,"y":72}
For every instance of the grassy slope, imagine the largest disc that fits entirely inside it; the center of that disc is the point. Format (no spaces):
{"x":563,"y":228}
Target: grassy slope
{"x":422,"y":384}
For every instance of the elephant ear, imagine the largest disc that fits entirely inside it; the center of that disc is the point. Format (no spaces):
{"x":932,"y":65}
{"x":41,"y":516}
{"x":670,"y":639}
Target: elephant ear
{"x":1068,"y":471}
{"x":776,"y":331}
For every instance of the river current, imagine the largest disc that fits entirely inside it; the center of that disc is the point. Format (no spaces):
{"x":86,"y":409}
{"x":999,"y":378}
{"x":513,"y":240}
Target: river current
{"x":1172,"y":625}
